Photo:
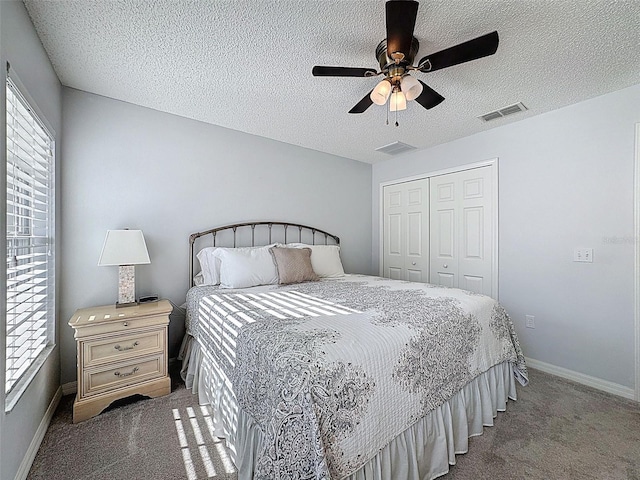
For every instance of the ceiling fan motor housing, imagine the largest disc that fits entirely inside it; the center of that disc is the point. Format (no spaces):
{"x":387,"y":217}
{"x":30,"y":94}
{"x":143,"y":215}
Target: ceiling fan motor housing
{"x":385,"y":60}
{"x":395,"y":69}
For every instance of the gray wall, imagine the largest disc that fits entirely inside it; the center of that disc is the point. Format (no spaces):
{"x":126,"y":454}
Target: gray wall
{"x":565,"y":181}
{"x":20,"y":46}
{"x":129,"y":166}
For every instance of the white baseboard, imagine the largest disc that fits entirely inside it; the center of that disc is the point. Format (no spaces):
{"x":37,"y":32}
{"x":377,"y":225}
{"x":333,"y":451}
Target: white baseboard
{"x":69,"y":388}
{"x":604,"y":385}
{"x":30,"y":455}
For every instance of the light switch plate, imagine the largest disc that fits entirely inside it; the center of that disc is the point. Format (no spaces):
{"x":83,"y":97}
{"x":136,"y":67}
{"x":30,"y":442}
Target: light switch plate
{"x":584,"y":255}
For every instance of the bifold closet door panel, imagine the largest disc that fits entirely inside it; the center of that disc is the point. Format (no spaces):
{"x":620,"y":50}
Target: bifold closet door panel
{"x":406,"y":231}
{"x":461,"y":225}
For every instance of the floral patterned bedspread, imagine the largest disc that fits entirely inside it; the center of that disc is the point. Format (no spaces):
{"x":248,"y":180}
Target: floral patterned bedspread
{"x":334,"y":370}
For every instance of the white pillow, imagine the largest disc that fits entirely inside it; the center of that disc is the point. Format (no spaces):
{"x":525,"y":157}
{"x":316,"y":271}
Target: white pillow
{"x":210,"y":263}
{"x":243,"y":268}
{"x":325,"y":259}
{"x":209,"y":266}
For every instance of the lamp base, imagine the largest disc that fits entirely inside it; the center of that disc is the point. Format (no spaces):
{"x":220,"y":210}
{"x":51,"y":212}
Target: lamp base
{"x":126,"y":285}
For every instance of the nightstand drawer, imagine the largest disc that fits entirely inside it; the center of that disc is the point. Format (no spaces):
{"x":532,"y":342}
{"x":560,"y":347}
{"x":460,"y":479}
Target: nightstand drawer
{"x":119,"y":325}
{"x":97,"y":352}
{"x":123,"y":374}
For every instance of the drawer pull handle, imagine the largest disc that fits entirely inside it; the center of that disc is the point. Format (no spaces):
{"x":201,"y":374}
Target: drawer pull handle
{"x":123,"y":375}
{"x":126,"y":324}
{"x":124,"y":349}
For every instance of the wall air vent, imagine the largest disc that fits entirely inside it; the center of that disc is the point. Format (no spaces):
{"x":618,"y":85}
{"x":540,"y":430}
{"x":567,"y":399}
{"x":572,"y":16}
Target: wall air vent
{"x":395,"y":148}
{"x":503,"y":112}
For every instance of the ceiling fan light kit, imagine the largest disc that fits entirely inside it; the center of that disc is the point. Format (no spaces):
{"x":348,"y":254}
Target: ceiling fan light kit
{"x":381,"y":93}
{"x":411,"y":87}
{"x":398,"y":101}
{"x":396,"y":55}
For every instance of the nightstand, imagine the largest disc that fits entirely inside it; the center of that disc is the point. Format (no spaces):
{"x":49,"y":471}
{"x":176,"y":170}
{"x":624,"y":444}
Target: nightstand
{"x":121,"y":352}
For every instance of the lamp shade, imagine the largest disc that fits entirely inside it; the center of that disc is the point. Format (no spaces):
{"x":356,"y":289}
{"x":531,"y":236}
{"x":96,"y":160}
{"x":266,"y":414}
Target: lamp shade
{"x":124,"y":247}
{"x":411,"y":87}
{"x":397,"y":101}
{"x":380,"y":94}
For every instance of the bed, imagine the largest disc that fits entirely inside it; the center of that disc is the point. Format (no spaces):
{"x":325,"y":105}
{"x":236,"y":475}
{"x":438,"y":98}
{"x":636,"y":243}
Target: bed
{"x":338,"y":376}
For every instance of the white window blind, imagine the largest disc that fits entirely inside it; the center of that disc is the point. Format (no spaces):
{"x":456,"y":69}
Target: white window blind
{"x":30,"y":204}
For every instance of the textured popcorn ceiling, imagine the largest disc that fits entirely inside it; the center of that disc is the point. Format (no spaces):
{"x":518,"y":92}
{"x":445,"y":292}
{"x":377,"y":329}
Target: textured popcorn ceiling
{"x":246,"y":65}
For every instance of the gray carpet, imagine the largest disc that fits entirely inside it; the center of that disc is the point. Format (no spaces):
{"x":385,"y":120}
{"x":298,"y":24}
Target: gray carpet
{"x":556,"y":430}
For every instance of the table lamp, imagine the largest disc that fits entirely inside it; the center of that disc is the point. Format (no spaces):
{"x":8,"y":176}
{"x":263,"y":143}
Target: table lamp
{"x":124,"y":248}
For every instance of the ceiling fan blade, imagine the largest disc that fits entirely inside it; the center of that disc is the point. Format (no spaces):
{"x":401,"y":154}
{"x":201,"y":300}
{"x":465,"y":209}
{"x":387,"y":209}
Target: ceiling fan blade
{"x":429,"y":98}
{"x":401,"y":21}
{"x":363,"y":104}
{"x":464,"y":52}
{"x":319,"y":71}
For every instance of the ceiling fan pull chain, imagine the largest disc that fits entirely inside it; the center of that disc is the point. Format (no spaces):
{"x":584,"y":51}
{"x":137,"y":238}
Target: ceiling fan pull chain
{"x":397,"y":125}
{"x":387,"y":115}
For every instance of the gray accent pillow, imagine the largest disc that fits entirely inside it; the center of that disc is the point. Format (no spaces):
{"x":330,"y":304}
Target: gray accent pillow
{"x":293,"y":265}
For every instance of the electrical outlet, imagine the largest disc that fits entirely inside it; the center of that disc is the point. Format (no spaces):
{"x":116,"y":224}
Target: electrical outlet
{"x":530,"y":321}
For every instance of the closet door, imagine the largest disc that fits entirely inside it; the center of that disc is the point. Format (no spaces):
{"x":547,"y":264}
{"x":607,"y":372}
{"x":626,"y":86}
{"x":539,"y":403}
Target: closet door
{"x":406,"y":231}
{"x":461,"y":213}
{"x":444,"y":231}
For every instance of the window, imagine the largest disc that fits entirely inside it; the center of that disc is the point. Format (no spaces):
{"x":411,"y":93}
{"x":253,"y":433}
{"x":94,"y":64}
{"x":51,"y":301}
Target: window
{"x":30,"y":262}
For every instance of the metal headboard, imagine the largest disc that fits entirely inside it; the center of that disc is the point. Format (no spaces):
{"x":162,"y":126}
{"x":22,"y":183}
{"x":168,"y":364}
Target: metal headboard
{"x":234,"y":228}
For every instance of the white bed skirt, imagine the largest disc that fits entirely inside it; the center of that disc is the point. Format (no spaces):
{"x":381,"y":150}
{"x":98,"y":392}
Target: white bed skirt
{"x":422,"y":452}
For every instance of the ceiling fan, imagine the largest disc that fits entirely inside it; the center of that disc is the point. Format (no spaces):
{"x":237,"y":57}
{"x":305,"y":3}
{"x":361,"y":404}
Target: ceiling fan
{"x":396,"y":54}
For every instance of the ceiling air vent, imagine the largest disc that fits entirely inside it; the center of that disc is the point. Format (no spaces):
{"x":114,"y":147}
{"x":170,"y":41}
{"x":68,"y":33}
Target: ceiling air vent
{"x":503,"y":112}
{"x":395,"y":148}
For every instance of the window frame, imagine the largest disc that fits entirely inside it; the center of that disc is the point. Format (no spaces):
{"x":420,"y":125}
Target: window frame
{"x":24,"y":381}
